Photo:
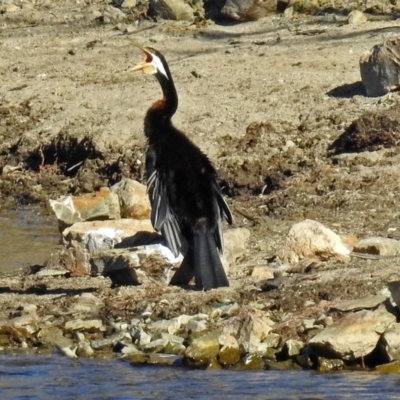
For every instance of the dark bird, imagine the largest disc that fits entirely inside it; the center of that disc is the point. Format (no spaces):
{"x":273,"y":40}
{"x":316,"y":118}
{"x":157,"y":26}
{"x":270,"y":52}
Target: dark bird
{"x":186,"y":200}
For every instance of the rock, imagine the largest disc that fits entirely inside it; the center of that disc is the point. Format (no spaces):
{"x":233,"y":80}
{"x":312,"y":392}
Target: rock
{"x":114,"y":13}
{"x":248,"y":10}
{"x":87,"y":303}
{"x":84,"y":350}
{"x":357,"y":18}
{"x":380,"y":67}
{"x":53,"y":336}
{"x":293,"y":347}
{"x":359,"y":304}
{"x":394,"y":288}
{"x":391,"y":341}
{"x":330,"y":364}
{"x":133,"y":200}
{"x":96,"y":236}
{"x":252,"y":362}
{"x":311,"y":240}
{"x":234,"y":246}
{"x":390,"y":368}
{"x":281,"y":365}
{"x":176,"y":10}
{"x":378,"y":245}
{"x":136,"y":266}
{"x":229,"y":353}
{"x":165,"y":359}
{"x":262,"y":273}
{"x":353,"y":336}
{"x":250,"y":330}
{"x":26,"y":318}
{"x":92,"y":326}
{"x":109,"y":341}
{"x":129,"y":4}
{"x":203,"y":348}
{"x":9,"y":8}
{"x":103,"y":204}
{"x":86,"y":239}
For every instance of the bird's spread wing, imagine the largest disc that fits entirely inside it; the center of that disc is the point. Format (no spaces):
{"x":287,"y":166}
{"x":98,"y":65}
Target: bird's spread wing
{"x":223,"y":212}
{"x":162,"y":216}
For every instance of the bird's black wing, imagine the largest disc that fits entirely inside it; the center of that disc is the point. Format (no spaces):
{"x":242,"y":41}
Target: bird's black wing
{"x":162,"y":216}
{"x":223,"y":212}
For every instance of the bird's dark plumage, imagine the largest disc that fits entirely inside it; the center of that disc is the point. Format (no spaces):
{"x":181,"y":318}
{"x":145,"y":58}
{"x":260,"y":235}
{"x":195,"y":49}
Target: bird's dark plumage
{"x":186,"y":200}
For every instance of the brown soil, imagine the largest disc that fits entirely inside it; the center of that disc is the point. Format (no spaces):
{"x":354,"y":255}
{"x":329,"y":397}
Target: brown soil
{"x":276,"y":104}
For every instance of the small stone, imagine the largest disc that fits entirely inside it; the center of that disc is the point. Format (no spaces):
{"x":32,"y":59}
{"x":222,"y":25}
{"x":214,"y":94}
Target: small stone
{"x":378,"y":246}
{"x":357,"y":18}
{"x":10,"y":8}
{"x":92,"y":326}
{"x":293,"y":347}
{"x":262,"y":273}
{"x":109,"y":341}
{"x":326,"y":365}
{"x":165,"y":359}
{"x":176,"y":10}
{"x":248,"y":10}
{"x":359,"y":304}
{"x":129,"y":4}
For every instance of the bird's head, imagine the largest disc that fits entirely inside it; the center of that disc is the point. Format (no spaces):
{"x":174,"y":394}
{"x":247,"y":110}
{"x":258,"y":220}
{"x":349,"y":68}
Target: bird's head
{"x":153,"y":64}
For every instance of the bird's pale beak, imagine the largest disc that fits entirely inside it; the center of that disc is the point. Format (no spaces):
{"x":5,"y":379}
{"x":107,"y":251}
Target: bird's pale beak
{"x":147,"y":65}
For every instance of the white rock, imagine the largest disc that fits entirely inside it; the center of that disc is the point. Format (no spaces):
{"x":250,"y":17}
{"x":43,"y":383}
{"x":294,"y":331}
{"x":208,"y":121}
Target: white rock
{"x":311,"y":240}
{"x":379,"y":246}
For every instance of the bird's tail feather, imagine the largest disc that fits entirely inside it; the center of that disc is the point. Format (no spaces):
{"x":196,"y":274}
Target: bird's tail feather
{"x":208,"y":270}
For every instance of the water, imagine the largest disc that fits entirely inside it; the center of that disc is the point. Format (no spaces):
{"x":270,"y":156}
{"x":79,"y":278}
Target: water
{"x":26,"y":238}
{"x":48,"y":377}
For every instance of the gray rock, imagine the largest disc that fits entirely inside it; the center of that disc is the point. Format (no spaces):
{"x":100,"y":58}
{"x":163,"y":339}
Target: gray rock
{"x":165,"y":359}
{"x":380,"y":67}
{"x":359,"y":304}
{"x":379,"y":246}
{"x":353,"y":336}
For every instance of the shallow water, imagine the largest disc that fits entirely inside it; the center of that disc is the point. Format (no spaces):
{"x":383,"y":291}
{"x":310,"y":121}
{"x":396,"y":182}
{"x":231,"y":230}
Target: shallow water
{"x":26,"y":238}
{"x":48,"y":377}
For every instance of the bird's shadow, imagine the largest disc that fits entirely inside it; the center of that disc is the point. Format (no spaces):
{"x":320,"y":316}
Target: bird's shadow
{"x":348,"y":90}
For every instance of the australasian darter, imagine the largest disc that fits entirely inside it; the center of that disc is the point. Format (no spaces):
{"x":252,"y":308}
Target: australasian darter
{"x":186,"y":200}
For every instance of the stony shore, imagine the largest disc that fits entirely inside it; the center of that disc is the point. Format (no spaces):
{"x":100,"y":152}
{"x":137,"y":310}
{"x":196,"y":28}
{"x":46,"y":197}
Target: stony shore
{"x":287,"y":143}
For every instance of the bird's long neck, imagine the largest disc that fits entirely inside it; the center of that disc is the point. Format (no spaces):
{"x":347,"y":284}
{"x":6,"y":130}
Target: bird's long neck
{"x":160,"y":113}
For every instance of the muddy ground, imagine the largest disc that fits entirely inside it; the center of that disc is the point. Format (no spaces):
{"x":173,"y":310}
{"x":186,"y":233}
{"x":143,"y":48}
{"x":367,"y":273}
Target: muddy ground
{"x":271,"y":102}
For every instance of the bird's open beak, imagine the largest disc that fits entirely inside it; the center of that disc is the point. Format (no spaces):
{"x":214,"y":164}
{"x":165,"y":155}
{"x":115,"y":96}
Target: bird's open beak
{"x":147,"y":65}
